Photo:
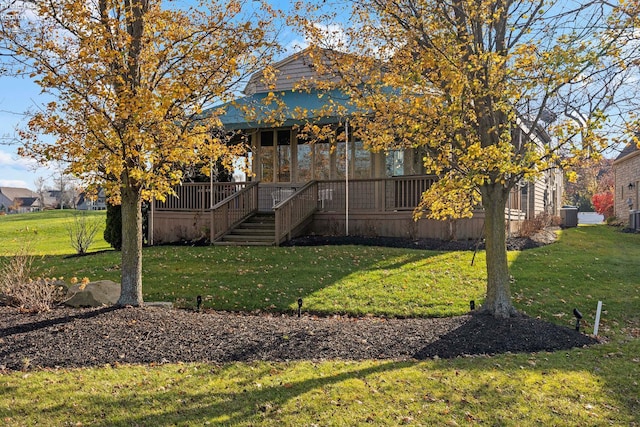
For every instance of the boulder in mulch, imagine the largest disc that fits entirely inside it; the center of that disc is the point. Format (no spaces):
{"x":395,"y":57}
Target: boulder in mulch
{"x":93,"y":294}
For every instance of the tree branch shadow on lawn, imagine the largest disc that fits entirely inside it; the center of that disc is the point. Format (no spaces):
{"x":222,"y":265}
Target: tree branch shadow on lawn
{"x":255,"y":401}
{"x":229,"y":408}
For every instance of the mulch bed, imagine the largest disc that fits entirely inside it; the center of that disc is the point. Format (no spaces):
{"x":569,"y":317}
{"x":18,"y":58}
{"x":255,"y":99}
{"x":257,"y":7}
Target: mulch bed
{"x":66,"y":337}
{"x":513,"y":243}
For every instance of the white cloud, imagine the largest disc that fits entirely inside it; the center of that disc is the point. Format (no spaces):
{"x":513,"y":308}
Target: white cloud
{"x":16,"y":162}
{"x":13,"y":183}
{"x":16,"y":171}
{"x":295,"y":46}
{"x":25,"y":9}
{"x":333,"y":36}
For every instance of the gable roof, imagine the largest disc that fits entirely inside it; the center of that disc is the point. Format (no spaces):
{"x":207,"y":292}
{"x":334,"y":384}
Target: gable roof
{"x":290,"y":71}
{"x":13,"y":193}
{"x":631,"y":147}
{"x":286,"y":105}
{"x":27,"y":202}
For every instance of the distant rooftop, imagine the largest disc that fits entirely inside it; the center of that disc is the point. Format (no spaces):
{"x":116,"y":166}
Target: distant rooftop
{"x":16,"y":192}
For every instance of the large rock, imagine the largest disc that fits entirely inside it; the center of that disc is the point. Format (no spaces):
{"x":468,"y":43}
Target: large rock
{"x":94,"y":294}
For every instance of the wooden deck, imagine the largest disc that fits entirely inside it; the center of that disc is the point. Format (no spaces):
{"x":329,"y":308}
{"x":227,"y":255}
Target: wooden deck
{"x":371,"y":207}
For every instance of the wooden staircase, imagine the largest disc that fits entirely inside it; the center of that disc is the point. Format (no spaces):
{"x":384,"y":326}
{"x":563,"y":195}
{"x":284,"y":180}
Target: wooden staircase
{"x":259,"y":230}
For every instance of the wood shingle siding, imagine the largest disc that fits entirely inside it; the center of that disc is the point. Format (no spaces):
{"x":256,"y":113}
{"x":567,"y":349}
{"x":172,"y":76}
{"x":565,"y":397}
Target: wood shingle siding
{"x":290,"y":72}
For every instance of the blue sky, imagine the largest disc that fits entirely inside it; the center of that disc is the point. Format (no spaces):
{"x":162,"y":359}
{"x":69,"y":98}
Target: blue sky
{"x":18,"y":95}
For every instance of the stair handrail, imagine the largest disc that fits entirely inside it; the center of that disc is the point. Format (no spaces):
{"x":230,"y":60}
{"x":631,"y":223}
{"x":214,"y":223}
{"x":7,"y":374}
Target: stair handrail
{"x":294,"y":210}
{"x":232,"y":210}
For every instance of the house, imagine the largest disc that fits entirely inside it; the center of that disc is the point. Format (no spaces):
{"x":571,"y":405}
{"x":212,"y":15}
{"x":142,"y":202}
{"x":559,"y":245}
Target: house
{"x":87,"y":203}
{"x":329,"y":186}
{"x":626,"y":171}
{"x":18,"y":200}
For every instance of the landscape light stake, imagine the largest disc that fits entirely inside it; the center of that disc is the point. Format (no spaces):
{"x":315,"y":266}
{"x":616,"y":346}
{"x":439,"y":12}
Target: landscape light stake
{"x":299,"y":307}
{"x":578,"y":317}
{"x":472,"y":305}
{"x":198,"y":302}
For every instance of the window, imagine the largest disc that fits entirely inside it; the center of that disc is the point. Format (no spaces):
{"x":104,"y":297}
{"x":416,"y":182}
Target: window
{"x":322,"y":160}
{"x":266,"y":156}
{"x":359,"y":160}
{"x":395,"y":163}
{"x":284,"y":156}
{"x":362,"y":161}
{"x":341,"y":161}
{"x":305,"y":160}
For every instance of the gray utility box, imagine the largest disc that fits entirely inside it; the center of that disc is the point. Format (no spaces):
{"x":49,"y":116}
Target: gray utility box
{"x":569,"y":216}
{"x":634,"y":220}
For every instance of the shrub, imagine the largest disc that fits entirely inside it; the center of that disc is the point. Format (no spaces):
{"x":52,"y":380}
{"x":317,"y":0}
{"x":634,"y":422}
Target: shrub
{"x":82,"y":231}
{"x":529,"y":227}
{"x":113,"y":230}
{"x":614,"y":221}
{"x":18,"y":289}
{"x":603,"y":203}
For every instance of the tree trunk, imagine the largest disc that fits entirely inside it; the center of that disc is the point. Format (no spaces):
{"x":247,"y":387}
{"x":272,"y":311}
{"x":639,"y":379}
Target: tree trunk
{"x":131,"y":269}
{"x":498,"y":299}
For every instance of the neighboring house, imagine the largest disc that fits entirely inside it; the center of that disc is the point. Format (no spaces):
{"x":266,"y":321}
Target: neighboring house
{"x":18,"y":200}
{"x":326,"y":187}
{"x":87,"y":203}
{"x":626,"y":171}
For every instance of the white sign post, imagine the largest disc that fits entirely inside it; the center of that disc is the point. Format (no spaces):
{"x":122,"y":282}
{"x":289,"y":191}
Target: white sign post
{"x":597,"y":324}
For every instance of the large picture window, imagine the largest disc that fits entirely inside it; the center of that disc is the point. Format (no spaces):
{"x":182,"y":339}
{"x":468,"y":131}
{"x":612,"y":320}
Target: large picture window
{"x":275,"y":156}
{"x":283,"y":161}
{"x":359,"y":160}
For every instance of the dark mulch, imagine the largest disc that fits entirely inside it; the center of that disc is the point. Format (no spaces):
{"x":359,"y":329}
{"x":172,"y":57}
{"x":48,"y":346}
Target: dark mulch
{"x":67,"y":337}
{"x":513,"y":244}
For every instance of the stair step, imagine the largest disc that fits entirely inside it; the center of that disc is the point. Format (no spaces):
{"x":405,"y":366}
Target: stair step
{"x":225,"y":243}
{"x":259,"y":230}
{"x":253,"y":226}
{"x":253,"y":231}
{"x":253,"y":238}
{"x":261,"y":221}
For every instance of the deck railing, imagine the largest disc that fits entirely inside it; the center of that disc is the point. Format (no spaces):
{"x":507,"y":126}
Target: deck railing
{"x":196,"y":196}
{"x":294,"y":209}
{"x":375,"y":195}
{"x":383,"y":194}
{"x":292,"y":203}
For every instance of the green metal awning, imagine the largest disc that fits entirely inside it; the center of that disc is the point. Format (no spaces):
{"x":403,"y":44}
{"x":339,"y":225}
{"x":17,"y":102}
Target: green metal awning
{"x":288,"y":108}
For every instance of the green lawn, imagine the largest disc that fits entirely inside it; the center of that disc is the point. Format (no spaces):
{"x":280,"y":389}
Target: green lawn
{"x":46,"y":233}
{"x":595,"y":386}
{"x":341,"y":279}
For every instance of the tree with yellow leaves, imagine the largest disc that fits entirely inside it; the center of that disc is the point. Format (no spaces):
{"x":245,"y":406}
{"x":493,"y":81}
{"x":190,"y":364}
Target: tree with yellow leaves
{"x":494,"y":91}
{"x":130,"y":80}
